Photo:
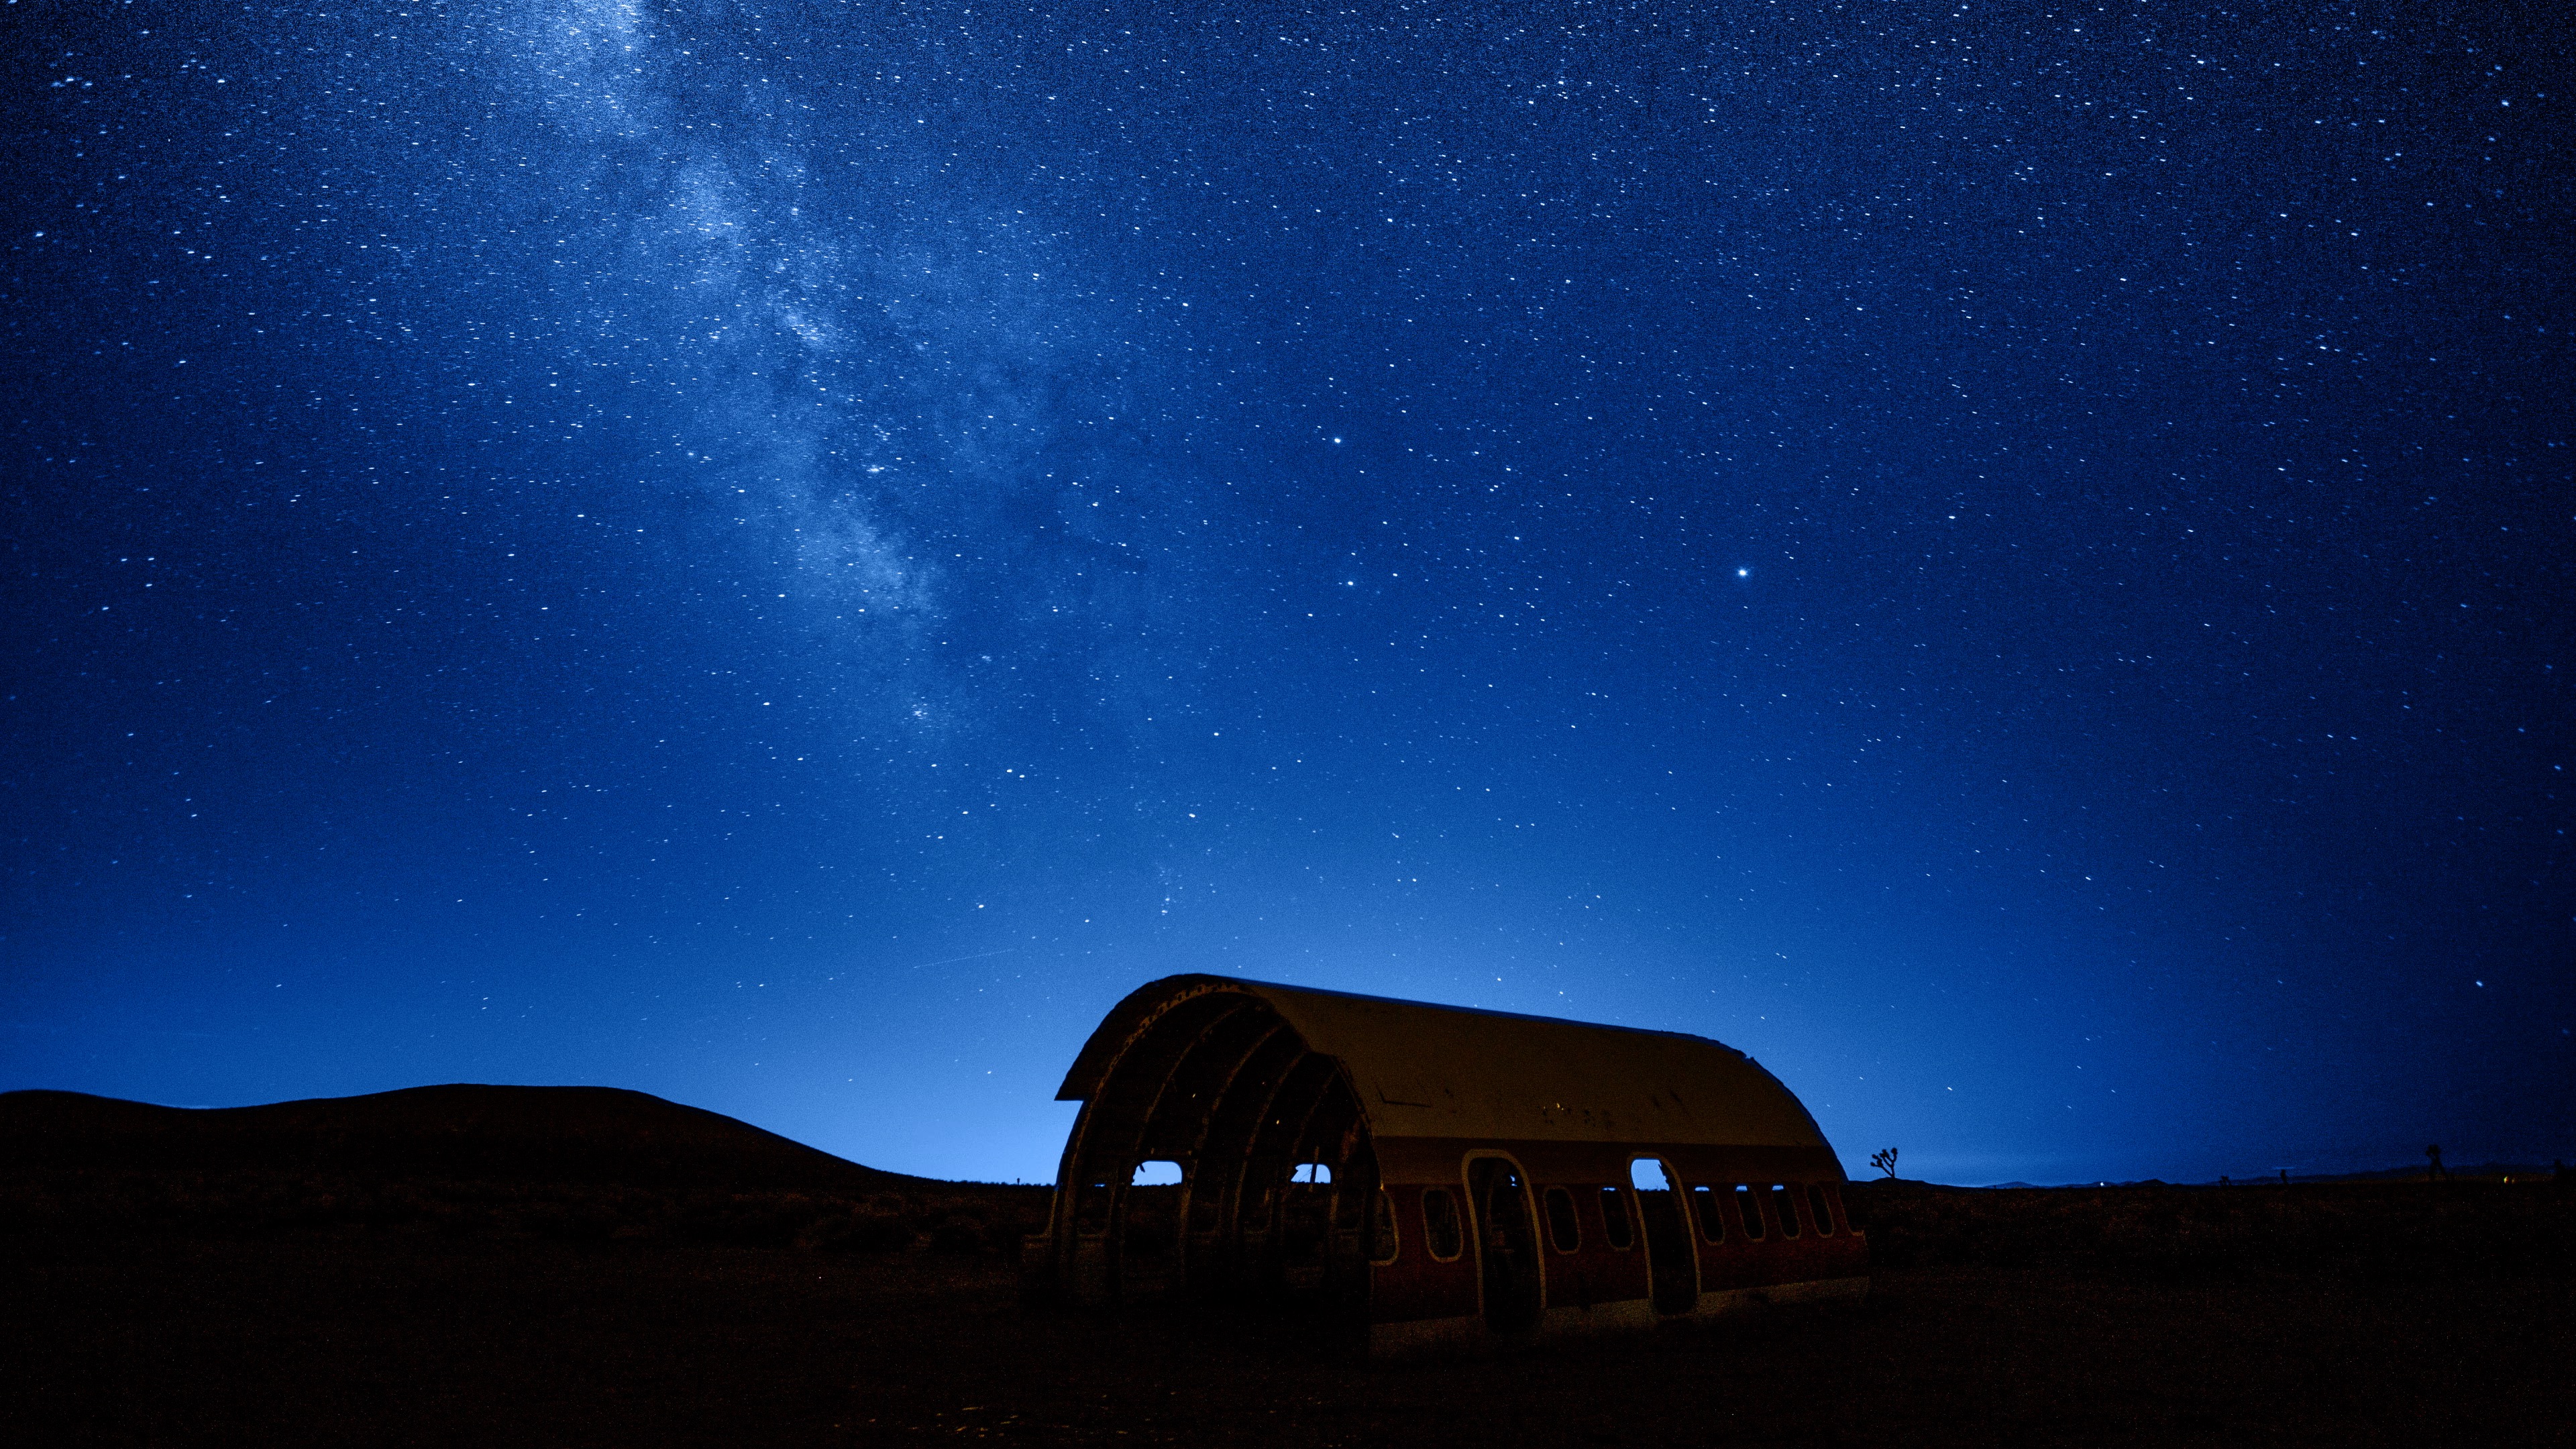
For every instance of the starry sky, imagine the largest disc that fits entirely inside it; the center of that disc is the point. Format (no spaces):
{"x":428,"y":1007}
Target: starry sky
{"x":2010,"y":561}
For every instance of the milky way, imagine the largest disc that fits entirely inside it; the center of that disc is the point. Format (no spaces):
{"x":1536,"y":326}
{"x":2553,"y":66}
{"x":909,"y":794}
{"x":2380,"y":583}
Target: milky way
{"x":2008,"y":563}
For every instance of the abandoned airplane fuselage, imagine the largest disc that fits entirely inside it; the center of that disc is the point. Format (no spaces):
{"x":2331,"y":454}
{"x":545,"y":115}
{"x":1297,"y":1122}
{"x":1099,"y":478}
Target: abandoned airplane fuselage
{"x":1434,"y":1177}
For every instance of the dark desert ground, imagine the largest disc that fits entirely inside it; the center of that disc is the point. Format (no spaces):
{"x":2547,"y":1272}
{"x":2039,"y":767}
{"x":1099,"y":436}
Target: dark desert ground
{"x":475,"y":1265}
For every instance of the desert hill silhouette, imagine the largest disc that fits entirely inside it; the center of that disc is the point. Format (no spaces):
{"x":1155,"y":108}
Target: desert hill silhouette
{"x":601,"y":1135}
{"x":575,"y":1266}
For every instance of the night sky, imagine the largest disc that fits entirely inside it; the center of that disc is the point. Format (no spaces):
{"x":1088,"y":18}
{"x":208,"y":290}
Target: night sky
{"x":2012,"y":563}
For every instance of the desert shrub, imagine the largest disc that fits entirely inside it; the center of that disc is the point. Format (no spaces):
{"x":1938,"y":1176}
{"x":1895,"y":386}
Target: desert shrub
{"x":867,"y":1230}
{"x":747,"y":1219}
{"x":2166,"y":1231}
{"x":963,"y":1234}
{"x":569,"y":1222}
{"x":29,"y":1210}
{"x":966,"y":1237}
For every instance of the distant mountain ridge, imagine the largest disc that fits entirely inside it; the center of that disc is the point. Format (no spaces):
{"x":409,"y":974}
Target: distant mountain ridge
{"x":601,"y":1135}
{"x":2465,"y":1172}
{"x":2480,"y":1172}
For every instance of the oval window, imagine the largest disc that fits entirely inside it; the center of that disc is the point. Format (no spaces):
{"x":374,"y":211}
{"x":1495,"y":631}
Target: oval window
{"x":1747,"y":1210}
{"x":1712,"y":1226}
{"x":1441,"y":1237}
{"x":1382,"y":1236}
{"x":1784,"y":1202}
{"x":1564,"y":1233}
{"x":1618,"y":1229}
{"x":1823,"y":1214}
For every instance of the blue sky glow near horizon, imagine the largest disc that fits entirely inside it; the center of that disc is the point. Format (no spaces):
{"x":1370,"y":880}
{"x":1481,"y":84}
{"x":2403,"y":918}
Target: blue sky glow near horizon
{"x":2010,"y":563}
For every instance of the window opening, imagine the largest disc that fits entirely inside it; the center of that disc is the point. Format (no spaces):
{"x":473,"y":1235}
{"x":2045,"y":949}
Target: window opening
{"x":1712,"y":1226}
{"x":1618,"y":1229}
{"x":1149,"y":1236}
{"x":1091,"y":1208}
{"x":1304,"y":1225}
{"x":1564,"y":1233}
{"x":1748,"y":1211}
{"x":1823,"y":1217}
{"x":1784,"y":1201}
{"x":1440,"y":1235}
{"x":1382,"y":1237}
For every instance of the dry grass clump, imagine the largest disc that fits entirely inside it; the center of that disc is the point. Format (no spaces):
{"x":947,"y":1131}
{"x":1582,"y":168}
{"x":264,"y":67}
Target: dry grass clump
{"x":2460,"y":1227}
{"x":2472,"y":1228}
{"x":966,"y":1220}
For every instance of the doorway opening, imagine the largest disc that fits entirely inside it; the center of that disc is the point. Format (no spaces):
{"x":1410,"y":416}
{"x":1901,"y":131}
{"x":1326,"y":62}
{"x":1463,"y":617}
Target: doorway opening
{"x":1673,"y":1272}
{"x":1507,"y":1242}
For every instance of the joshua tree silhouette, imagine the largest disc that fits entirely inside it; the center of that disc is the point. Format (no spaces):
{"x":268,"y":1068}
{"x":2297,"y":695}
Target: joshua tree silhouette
{"x":2433,"y":1155}
{"x":1885,"y":1161}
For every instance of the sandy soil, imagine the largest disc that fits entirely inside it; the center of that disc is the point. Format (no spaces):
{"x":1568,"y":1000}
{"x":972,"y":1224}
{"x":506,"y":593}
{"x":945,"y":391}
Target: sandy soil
{"x":570,"y":1266}
{"x":378,"y":1336}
